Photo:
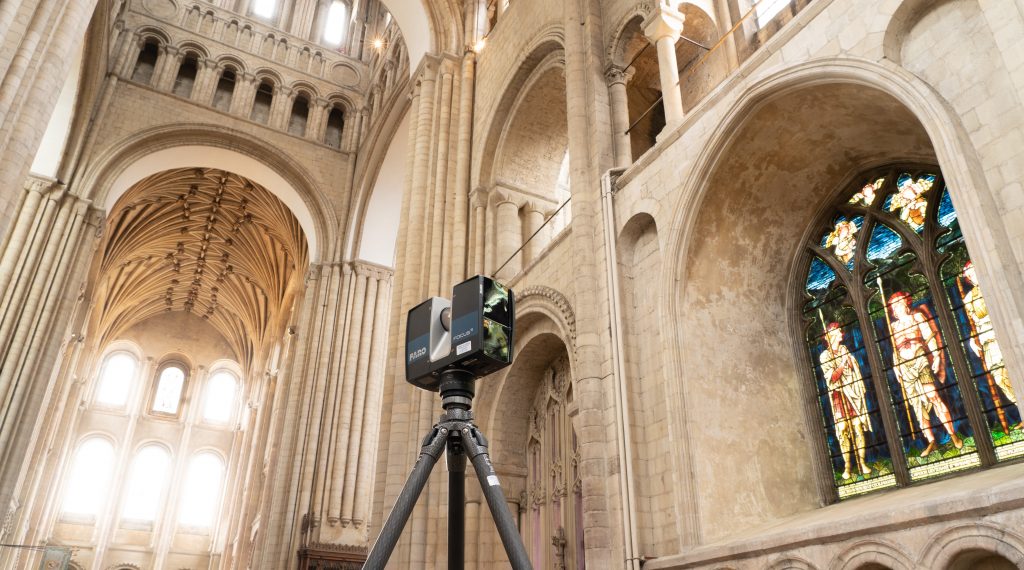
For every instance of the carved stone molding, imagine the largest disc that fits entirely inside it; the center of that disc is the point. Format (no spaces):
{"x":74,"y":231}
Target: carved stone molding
{"x":552,"y":297}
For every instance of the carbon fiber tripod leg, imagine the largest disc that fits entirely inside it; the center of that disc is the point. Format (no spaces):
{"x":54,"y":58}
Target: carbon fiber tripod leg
{"x":475,"y":446}
{"x":433,"y":445}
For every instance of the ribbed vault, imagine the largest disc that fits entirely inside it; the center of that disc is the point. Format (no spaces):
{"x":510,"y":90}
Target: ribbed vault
{"x":204,"y":241}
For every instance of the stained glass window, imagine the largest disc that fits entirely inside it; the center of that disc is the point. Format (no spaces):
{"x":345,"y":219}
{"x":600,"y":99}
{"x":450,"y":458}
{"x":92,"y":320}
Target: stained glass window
{"x":168,"y":390}
{"x":909,"y":374}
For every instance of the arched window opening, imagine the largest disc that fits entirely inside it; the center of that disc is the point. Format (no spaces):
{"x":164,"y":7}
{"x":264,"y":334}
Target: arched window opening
{"x":910,"y":377}
{"x":261,"y":104}
{"x":201,"y":493}
{"x":766,"y":10}
{"x":335,"y":127}
{"x":643,"y":93}
{"x":144,"y":66}
{"x":299,"y":116}
{"x":219,"y":400}
{"x":89,"y":478}
{"x":115,"y":381}
{"x":167,"y":397}
{"x":264,"y":8}
{"x":186,"y":78}
{"x":147,"y":481}
{"x":225,"y":90}
{"x":334,"y":28}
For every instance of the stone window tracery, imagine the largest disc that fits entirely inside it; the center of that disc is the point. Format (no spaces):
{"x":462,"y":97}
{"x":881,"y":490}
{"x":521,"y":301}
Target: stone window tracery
{"x":910,"y":377}
{"x":553,"y":503}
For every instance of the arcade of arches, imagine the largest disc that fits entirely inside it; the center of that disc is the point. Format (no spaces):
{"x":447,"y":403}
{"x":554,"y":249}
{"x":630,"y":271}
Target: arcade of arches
{"x":768,"y":259}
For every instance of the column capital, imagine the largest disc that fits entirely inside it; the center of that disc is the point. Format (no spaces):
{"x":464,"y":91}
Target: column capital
{"x":615,"y":75}
{"x":663,"y":23}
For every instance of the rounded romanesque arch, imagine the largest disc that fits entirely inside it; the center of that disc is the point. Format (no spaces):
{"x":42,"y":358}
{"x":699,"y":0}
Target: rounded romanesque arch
{"x":966,"y":546}
{"x":209,"y":146}
{"x":872,"y":555}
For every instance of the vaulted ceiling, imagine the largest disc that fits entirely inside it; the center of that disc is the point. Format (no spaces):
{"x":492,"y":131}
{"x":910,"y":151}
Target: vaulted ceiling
{"x":204,"y":241}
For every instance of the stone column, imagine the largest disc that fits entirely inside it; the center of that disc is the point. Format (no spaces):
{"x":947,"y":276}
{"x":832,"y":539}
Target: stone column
{"x":509,"y":236}
{"x":316,"y":122}
{"x":535,"y":215}
{"x":281,"y":107}
{"x":463,"y":156}
{"x":245,"y":92}
{"x":663,"y":28}
{"x":619,"y":107}
{"x":206,"y":81}
{"x":479,"y":239}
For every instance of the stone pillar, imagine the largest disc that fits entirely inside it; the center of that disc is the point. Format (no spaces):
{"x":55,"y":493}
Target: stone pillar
{"x":316,"y":122}
{"x":479,"y":239}
{"x":463,"y":155}
{"x":535,"y":216}
{"x":245,"y":92}
{"x":663,"y":28}
{"x":509,"y":235}
{"x":619,"y":108}
{"x":281,"y":107}
{"x":206,"y":81}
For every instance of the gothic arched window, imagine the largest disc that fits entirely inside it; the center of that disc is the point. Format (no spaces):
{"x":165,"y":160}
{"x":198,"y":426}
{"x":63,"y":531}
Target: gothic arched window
{"x":115,"y":380}
{"x":89,"y":478}
{"x":909,"y":376}
{"x":201,"y":494}
{"x":147,"y":480}
{"x":219,"y":397}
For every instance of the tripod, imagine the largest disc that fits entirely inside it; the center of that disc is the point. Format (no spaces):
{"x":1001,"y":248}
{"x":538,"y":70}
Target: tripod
{"x":456,"y":433}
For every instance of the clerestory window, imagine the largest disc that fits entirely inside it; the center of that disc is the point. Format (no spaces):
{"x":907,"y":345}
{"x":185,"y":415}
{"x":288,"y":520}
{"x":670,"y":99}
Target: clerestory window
{"x":88,"y":482}
{"x":167,"y":397}
{"x":147,"y":482}
{"x":909,"y":373}
{"x":334,"y":27}
{"x":264,"y":8}
{"x":201,"y":494}
{"x":765,"y":10}
{"x":115,"y":381}
{"x":219,"y":399}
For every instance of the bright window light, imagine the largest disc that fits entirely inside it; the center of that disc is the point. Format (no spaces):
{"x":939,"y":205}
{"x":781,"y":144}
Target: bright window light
{"x":146,"y":483}
{"x":219,"y":400}
{"x":168,"y":390}
{"x":768,"y":9}
{"x":200,"y":499}
{"x":334,"y":29}
{"x":116,"y":379}
{"x":89,"y":478}
{"x":264,"y":8}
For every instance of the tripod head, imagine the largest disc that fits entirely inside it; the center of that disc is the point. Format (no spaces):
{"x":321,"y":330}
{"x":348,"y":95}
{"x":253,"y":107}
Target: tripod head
{"x":457,"y":388}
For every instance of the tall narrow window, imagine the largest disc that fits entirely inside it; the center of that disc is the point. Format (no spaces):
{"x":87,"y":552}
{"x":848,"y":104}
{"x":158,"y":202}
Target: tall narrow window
{"x":144,"y":66}
{"x":225,"y":90}
{"x":261,"y":104}
{"x":765,"y":10}
{"x":335,"y":127}
{"x":146,"y":484}
{"x":219,"y":399}
{"x":115,"y":380}
{"x":910,"y":376}
{"x":186,"y":78}
{"x":167,"y":396}
{"x":334,"y":28}
{"x":299,"y":116}
{"x":89,"y":478}
{"x":264,"y":8}
{"x":201,"y":493}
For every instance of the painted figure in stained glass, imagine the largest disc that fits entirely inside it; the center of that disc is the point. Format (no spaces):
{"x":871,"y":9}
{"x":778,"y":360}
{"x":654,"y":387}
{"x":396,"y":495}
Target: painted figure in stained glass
{"x":848,"y":398}
{"x":909,"y":199}
{"x":983,"y":341}
{"x":918,"y":363}
{"x":866,"y":195}
{"x":844,"y":239}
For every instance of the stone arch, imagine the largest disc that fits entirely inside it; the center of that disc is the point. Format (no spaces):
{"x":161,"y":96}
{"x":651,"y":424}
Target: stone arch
{"x":790,"y":563}
{"x":618,"y":52}
{"x":162,"y":148}
{"x":196,"y":48}
{"x":306,"y":87}
{"x":940,"y":138}
{"x":547,"y":43}
{"x":901,"y":22}
{"x":957,"y":547}
{"x":265,"y":73}
{"x":234,"y":61}
{"x":153,"y":32}
{"x":870,"y":554}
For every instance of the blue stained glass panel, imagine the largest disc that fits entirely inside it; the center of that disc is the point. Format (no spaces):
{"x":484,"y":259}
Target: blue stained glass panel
{"x":884,"y":243}
{"x":947,"y":214}
{"x":819,"y":277}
